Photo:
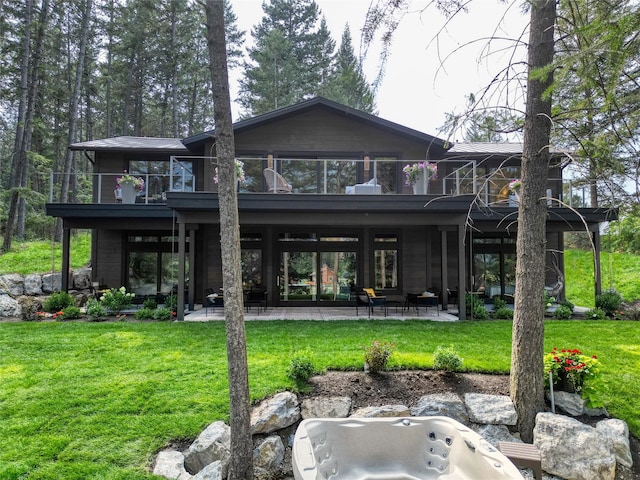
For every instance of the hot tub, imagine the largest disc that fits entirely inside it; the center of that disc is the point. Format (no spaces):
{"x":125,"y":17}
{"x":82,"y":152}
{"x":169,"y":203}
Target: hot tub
{"x":392,"y":448}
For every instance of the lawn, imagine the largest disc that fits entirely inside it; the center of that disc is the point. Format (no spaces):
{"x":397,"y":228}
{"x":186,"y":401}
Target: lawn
{"x":98,"y":400}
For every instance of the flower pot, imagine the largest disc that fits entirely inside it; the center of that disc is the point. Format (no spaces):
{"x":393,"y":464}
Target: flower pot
{"x":514,"y":199}
{"x":421,"y":187}
{"x":564,"y":384}
{"x":128,"y":191}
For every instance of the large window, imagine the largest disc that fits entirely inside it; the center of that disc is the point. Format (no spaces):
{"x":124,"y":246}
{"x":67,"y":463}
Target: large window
{"x":386,"y":261}
{"x":163,"y":176}
{"x":153,"y":264}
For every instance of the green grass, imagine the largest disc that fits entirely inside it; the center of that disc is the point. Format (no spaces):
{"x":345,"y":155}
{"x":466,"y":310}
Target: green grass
{"x":98,"y":400}
{"x":619,"y":271}
{"x":40,"y":256}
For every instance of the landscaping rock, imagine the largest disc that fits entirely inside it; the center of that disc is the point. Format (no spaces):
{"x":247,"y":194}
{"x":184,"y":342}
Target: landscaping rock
{"x":447,"y":404}
{"x":571,"y":449}
{"x":617,"y":433}
{"x":170,"y":464}
{"x":51,"y":283}
{"x":33,"y":284}
{"x":495,"y":434}
{"x":81,"y":279}
{"x":269,"y":455}
{"x":214,"y":471}
{"x":326,"y":407}
{"x":30,"y":306}
{"x":213,"y":444}
{"x":12,"y":284}
{"x":490,"y":409}
{"x":382,"y":411}
{"x":570,"y":403}
{"x":275,"y":413}
{"x":9,"y":307}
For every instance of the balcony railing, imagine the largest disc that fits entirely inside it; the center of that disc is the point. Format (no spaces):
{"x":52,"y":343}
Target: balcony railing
{"x":330,"y":176}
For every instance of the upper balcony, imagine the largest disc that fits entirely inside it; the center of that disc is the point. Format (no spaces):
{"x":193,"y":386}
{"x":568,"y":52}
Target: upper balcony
{"x":317,"y":176}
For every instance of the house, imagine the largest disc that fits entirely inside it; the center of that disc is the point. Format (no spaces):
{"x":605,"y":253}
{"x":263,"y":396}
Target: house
{"x":349,"y":211}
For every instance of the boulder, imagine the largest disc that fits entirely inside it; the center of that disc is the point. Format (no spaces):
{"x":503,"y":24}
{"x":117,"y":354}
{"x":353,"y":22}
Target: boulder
{"x":30,"y":307}
{"x":213,"y":471}
{"x":51,"y":283}
{"x":382,"y":411}
{"x":275,"y":413}
{"x":12,"y":284}
{"x":495,"y":434}
{"x":81,"y":279}
{"x":570,"y":403}
{"x":213,"y":444}
{"x":33,"y":284}
{"x":326,"y":407}
{"x":269,"y":454}
{"x":490,"y":409}
{"x":170,"y":464}
{"x":447,"y":404}
{"x":9,"y":307}
{"x":617,"y":433}
{"x":571,"y":449}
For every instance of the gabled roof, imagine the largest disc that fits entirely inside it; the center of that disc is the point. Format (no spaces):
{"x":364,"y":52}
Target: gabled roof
{"x":131,"y":143}
{"x":506,"y":148}
{"x":440,"y":146}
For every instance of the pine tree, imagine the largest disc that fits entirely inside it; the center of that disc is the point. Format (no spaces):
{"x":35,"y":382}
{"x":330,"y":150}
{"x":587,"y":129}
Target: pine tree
{"x":347,"y":84}
{"x":291,"y":58}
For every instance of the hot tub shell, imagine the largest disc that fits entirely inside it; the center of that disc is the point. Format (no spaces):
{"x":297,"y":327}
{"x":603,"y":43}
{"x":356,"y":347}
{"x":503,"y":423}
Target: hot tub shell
{"x":407,"y":448}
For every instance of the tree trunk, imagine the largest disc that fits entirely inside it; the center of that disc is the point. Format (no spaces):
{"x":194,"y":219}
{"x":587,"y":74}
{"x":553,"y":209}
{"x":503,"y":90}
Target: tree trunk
{"x":241,"y":466}
{"x":73,"y":114}
{"x":526,"y":380}
{"x":20,"y":153}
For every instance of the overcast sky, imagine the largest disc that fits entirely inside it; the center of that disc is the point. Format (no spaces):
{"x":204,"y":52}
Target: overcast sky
{"x":416,"y":90}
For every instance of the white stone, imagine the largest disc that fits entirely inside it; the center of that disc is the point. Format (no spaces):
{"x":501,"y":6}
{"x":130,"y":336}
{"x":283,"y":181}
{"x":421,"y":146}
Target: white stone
{"x":326,"y":407}
{"x":33,"y":284}
{"x":9,"y":307}
{"x":382,"y":411}
{"x":617,"y":433}
{"x":279,"y":411}
{"x":170,"y":464}
{"x":571,"y":449}
{"x":213,"y":444}
{"x":213,"y":471}
{"x":12,"y":284}
{"x":51,"y":283}
{"x":490,"y":409}
{"x":495,"y":434}
{"x":447,"y":404}
{"x":570,"y":403}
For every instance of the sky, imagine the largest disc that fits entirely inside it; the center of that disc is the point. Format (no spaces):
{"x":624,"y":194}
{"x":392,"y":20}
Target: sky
{"x":431,"y":69}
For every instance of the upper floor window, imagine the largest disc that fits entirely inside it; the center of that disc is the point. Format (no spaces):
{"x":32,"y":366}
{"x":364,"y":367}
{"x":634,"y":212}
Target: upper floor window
{"x":164,"y":176}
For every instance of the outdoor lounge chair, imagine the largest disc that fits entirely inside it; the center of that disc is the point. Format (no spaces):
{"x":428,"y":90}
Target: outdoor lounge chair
{"x":256,"y":298}
{"x":276,"y":182}
{"x":366,"y":297}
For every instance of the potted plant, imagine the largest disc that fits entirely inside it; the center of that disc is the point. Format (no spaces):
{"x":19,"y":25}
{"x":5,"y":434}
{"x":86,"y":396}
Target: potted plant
{"x":129,"y":186}
{"x":418,"y":175}
{"x":514,"y":187}
{"x":239,"y":172}
{"x":570,"y":369}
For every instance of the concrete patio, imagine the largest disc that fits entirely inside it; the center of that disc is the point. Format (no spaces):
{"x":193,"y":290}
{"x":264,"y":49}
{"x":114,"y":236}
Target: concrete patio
{"x":324,"y":313}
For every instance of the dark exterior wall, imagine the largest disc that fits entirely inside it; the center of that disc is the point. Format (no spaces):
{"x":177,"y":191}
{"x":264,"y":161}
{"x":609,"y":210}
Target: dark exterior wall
{"x":108,"y":263}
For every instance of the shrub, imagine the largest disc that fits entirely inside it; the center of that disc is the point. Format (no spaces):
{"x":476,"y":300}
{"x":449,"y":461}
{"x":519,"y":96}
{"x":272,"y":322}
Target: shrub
{"x":163,"y":314}
{"x":473,"y":301}
{"x":150,"y":303}
{"x":301,"y":367}
{"x":609,"y":301}
{"x":572,"y":367}
{"x":58,"y":301}
{"x":562,"y":312}
{"x":498,"y":303}
{"x":144,"y":313}
{"x":595,"y":314}
{"x":95,"y":310}
{"x":447,"y":359}
{"x":171,"y":302}
{"x":568,"y":304}
{"x":376,"y":355}
{"x":70,"y":313}
{"x":503,"y":313}
{"x":480,"y":313}
{"x":117,"y":299}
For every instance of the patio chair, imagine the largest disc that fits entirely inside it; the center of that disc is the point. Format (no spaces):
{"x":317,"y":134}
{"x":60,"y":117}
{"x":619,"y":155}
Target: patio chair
{"x":417,"y":300}
{"x":376,"y":301}
{"x":257,"y":298}
{"x":214,"y":299}
{"x":276,"y":182}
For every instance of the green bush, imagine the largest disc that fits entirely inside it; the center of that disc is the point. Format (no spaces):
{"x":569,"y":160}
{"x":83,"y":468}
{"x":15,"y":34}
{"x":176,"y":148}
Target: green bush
{"x":145,"y":313}
{"x":171,"y":302}
{"x":163,"y":314}
{"x":498,"y":303}
{"x":504,"y":313}
{"x":562,"y":312}
{"x":376,"y":355}
{"x":473,"y":301}
{"x":150,"y":303}
{"x":70,"y":313}
{"x":301,"y":367}
{"x":480,"y":313}
{"x":95,"y":310}
{"x":117,"y":299}
{"x":446,"y":358}
{"x":609,"y":301}
{"x":568,"y":304}
{"x":58,"y":302}
{"x":595,"y":314}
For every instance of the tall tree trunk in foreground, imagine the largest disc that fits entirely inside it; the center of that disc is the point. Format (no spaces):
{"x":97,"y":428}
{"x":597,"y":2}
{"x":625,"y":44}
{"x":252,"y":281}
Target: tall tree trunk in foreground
{"x":241,"y":466}
{"x":527,"y":380}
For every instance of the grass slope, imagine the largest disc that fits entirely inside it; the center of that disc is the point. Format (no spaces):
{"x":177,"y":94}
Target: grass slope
{"x":98,"y":400}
